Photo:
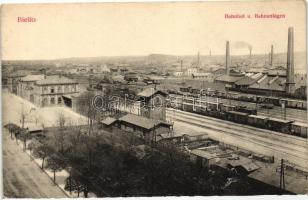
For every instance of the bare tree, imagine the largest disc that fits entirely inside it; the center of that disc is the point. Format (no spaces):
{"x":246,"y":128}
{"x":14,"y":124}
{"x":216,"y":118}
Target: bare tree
{"x":59,"y":134}
{"x":43,"y":151}
{"x":55,"y":162}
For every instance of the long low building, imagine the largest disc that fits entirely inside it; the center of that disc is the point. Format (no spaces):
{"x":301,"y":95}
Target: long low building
{"x":143,"y":127}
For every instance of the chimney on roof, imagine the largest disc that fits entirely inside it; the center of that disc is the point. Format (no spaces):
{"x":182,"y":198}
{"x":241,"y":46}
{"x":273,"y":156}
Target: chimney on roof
{"x":290,"y":85}
{"x":227,"y":58}
{"x":272,"y":55}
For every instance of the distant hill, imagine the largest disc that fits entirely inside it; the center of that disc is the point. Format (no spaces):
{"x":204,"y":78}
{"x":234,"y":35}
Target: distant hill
{"x":163,"y":60}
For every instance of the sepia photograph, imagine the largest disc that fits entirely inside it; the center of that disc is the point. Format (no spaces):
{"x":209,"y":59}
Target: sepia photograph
{"x":154,"y":99}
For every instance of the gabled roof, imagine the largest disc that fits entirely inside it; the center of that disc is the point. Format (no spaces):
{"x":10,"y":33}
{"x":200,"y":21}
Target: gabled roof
{"x":30,"y":78}
{"x":55,"y":80}
{"x":270,"y":83}
{"x":142,"y":122}
{"x":108,"y":121}
{"x":18,"y":74}
{"x":228,"y":78}
{"x":247,"y":164}
{"x":245,"y":81}
{"x":149,"y":92}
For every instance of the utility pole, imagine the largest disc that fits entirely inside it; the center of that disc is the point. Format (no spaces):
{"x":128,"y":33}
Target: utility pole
{"x":23,"y":115}
{"x":282,"y":182}
{"x":182,"y":71}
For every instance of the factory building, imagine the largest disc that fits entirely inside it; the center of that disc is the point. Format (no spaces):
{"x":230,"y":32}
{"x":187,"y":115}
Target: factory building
{"x":276,"y":81}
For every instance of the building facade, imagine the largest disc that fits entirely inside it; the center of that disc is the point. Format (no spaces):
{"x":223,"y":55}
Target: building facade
{"x":45,"y":90}
{"x":50,"y":91}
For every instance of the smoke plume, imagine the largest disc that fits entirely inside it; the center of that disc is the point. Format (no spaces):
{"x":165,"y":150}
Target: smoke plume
{"x":241,"y":45}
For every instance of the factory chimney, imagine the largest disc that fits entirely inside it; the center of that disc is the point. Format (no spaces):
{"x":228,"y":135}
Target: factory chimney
{"x":250,"y":52}
{"x":290,"y":85}
{"x":272,"y":55}
{"x":227,"y":58}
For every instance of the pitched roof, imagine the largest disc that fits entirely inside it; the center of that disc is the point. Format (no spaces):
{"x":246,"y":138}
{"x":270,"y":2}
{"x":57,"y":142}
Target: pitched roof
{"x":18,"y":74}
{"x":55,"y":80}
{"x":247,"y":164}
{"x":245,"y":81}
{"x":108,"y":121}
{"x":270,"y":83}
{"x":142,"y":121}
{"x":150,"y":92}
{"x":228,"y":78}
{"x":203,"y":154}
{"x":33,"y":77}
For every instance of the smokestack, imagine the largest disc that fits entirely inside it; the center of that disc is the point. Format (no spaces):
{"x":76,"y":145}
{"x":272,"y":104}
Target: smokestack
{"x":198,"y":59}
{"x":227,"y":58}
{"x":181,"y":65}
{"x":250,"y":52}
{"x":210,"y":53}
{"x":272,"y":55}
{"x":290,"y":85}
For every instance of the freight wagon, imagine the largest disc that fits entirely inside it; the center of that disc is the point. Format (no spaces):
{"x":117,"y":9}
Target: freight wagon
{"x":236,"y":116}
{"x":299,"y":129}
{"x":279,"y":125}
{"x":257,"y":121}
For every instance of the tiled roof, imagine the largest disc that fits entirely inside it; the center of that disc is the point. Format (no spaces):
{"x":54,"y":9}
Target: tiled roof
{"x":54,"y":80}
{"x":142,"y":121}
{"x":33,"y":77}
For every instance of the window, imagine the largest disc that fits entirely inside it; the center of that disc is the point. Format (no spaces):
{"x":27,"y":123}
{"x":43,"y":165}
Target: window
{"x":44,"y":103}
{"x":44,"y":89}
{"x":52,"y":90}
{"x":52,"y":100}
{"x":59,"y":100}
{"x":66,"y":88}
{"x":59,"y":89}
{"x":74,"y":88}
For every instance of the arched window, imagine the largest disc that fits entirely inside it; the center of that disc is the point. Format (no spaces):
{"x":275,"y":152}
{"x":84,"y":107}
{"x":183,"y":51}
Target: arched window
{"x":59,"y":100}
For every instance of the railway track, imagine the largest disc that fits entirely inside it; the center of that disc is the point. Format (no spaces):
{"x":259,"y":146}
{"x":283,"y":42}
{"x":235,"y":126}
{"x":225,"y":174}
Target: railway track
{"x":283,"y":146}
{"x":276,"y":112}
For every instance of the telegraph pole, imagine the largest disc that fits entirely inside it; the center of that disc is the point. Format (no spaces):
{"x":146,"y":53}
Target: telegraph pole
{"x":282,"y":182}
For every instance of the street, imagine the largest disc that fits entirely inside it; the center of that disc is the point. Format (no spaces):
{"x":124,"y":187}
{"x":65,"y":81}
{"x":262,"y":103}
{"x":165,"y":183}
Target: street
{"x":22,"y":178}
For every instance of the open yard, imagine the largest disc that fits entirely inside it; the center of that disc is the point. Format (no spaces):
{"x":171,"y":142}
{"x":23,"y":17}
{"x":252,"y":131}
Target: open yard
{"x":14,"y":105}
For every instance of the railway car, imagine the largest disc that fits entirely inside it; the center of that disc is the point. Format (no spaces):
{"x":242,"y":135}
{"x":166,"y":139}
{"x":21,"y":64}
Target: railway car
{"x":290,"y":103}
{"x":257,"y":120}
{"x":227,"y":107}
{"x":250,"y":111}
{"x":279,"y":125}
{"x":273,"y":100}
{"x":299,"y":129}
{"x":236,"y":116}
{"x":189,"y":107}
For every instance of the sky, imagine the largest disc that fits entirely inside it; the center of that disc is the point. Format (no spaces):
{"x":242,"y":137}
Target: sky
{"x":130,"y":29}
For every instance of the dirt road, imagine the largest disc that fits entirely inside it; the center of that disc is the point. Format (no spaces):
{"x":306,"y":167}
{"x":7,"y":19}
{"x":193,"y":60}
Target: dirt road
{"x":22,"y":177}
